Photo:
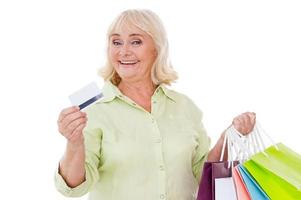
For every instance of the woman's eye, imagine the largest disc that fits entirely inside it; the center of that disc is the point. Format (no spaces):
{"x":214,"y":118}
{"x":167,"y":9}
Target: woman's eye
{"x":136,"y":42}
{"x":116,"y":43}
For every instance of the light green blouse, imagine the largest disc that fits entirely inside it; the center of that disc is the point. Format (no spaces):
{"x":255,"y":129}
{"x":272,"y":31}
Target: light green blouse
{"x":132,"y":154}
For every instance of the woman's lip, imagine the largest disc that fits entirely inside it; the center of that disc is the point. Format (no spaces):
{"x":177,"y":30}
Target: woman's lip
{"x":128,"y":62}
{"x":127,"y":65}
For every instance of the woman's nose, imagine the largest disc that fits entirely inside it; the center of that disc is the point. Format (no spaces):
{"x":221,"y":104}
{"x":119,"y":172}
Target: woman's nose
{"x":125,"y":50}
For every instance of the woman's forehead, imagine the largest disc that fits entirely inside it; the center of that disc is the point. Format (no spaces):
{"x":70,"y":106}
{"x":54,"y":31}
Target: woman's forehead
{"x":128,"y":30}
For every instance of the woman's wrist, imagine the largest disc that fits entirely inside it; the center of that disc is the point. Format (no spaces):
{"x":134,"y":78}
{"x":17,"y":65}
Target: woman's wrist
{"x":75,"y":146}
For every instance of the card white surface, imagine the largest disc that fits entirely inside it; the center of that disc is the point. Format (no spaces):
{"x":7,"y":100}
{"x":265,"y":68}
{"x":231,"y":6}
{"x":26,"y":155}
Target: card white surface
{"x":224,"y":189}
{"x":86,"y":95}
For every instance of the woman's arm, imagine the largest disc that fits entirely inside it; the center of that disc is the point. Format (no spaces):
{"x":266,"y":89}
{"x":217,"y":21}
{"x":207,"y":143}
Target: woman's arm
{"x":72,"y":166}
{"x":215,"y":153}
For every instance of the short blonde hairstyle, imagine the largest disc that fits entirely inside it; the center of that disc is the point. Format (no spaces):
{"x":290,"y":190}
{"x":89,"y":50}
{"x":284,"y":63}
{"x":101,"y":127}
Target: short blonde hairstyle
{"x":149,"y":22}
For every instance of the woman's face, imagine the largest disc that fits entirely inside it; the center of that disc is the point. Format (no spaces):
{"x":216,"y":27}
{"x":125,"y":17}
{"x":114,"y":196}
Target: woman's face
{"x":132,"y":53}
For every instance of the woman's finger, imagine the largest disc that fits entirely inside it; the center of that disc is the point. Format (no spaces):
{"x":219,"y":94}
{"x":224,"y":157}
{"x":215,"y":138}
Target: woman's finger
{"x":246,"y":122}
{"x":66,"y":112}
{"x":77,"y":133}
{"x":252,"y":117}
{"x":72,"y":117}
{"x":247,"y":126}
{"x":250,"y":121}
{"x":73,"y":125}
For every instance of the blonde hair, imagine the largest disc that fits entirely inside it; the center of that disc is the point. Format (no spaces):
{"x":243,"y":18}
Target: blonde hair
{"x":149,"y":22}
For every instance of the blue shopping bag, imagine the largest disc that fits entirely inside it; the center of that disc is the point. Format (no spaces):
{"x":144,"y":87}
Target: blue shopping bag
{"x":254,"y":189}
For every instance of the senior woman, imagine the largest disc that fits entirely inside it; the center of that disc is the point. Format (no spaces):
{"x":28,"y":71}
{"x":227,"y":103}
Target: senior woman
{"x":141,"y":140}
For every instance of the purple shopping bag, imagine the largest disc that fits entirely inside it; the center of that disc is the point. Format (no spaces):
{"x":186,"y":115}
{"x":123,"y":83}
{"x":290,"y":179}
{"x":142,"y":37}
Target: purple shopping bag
{"x":211,"y":171}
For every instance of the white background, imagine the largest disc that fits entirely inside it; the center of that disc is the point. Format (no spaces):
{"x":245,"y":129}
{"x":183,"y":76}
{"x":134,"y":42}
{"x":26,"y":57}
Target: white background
{"x":232,"y":56}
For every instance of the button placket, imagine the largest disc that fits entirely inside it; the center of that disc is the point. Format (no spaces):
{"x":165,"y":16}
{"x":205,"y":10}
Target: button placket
{"x":160,"y":161}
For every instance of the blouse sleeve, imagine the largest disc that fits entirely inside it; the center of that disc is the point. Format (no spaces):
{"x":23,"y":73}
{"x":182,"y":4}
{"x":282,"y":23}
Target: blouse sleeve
{"x":201,"y":153}
{"x":93,"y":140}
{"x":203,"y":143}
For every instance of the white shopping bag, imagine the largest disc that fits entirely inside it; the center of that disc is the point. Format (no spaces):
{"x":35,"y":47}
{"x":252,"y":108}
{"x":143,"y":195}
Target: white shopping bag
{"x":225,"y":189}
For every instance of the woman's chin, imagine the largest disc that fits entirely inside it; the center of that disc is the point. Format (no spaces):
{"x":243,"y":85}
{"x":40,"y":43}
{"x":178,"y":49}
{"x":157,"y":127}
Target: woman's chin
{"x":127,"y":72}
{"x":127,"y":67}
{"x":127,"y":75}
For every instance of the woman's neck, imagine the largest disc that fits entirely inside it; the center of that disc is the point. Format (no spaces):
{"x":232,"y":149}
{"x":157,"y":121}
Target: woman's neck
{"x":142,"y":88}
{"x":140,"y":92}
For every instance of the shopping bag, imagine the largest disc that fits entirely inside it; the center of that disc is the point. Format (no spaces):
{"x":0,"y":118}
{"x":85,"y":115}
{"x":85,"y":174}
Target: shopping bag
{"x":278,"y":171}
{"x":225,"y":189}
{"x":216,"y":181}
{"x":211,"y":172}
{"x":253,"y":188}
{"x":240,"y":188}
{"x":283,"y":162}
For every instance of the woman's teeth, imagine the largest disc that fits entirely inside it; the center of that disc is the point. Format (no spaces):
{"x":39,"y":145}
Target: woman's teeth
{"x":128,"y":62}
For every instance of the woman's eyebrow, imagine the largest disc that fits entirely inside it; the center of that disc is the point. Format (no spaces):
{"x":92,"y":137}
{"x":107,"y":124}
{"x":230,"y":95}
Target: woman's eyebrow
{"x":131,"y":35}
{"x":114,"y":34}
{"x":136,"y":34}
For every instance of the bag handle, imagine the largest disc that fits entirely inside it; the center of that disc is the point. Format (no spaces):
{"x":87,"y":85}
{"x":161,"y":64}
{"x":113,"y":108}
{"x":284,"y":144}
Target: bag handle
{"x":227,"y":141}
{"x":260,"y":131}
{"x":232,"y":149}
{"x":247,"y":145}
{"x":237,"y":145}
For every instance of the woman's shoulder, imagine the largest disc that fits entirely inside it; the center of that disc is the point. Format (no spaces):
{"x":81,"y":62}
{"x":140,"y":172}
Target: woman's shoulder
{"x":177,"y":96}
{"x":184,"y":101}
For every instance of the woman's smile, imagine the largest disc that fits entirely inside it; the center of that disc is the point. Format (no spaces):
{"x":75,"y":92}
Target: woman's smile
{"x":128,"y":63}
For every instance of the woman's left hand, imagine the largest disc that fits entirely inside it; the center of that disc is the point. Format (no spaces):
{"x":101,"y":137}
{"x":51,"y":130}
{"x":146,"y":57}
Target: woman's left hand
{"x":245,"y":122}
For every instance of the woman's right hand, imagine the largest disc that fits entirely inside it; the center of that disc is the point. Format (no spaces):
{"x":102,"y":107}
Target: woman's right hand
{"x":71,"y":123}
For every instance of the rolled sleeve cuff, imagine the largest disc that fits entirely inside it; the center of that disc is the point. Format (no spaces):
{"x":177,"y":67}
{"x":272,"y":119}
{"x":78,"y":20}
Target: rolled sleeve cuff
{"x":67,"y":191}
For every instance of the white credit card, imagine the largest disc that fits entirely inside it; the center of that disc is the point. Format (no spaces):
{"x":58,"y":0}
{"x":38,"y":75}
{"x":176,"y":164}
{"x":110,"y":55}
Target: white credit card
{"x":86,"y":95}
